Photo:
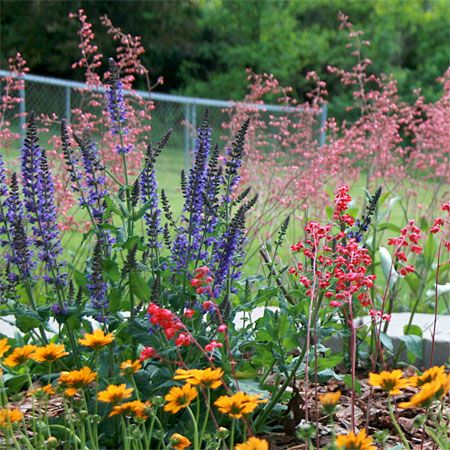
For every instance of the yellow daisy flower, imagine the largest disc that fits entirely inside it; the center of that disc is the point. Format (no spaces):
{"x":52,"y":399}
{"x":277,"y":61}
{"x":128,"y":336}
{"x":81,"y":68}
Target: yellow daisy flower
{"x":48,"y":389}
{"x":330,"y":398}
{"x":70,"y":392}
{"x":9,"y":416}
{"x":4,"y":346}
{"x":253,"y":443}
{"x":78,"y":378}
{"x":207,"y":378}
{"x":390,"y":382}
{"x":115,"y":393}
{"x":238,"y":404}
{"x":179,"y":397}
{"x":96,"y":340}
{"x":352,"y":441}
{"x":19,"y":356}
{"x":130,"y":367}
{"x":49,"y":353}
{"x":179,"y":442}
{"x":429,"y":392}
{"x":135,"y":408}
{"x":428,"y":376}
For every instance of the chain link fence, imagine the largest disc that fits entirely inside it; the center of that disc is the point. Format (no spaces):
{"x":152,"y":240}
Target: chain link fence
{"x":46,"y":95}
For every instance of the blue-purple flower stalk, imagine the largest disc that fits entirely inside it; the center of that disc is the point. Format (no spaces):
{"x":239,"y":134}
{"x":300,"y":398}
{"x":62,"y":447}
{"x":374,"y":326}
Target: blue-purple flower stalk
{"x":115,"y":101}
{"x":189,"y":239}
{"x":38,"y":190}
{"x":94,"y":179}
{"x":4,"y":228}
{"x":149,"y":195}
{"x":21,"y":253}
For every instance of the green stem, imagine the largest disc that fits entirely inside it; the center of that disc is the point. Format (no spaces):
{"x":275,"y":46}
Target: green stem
{"x":274,"y":399}
{"x":126,"y":442}
{"x":233,"y":426}
{"x":396,"y":425}
{"x":194,"y":422}
{"x":208,"y":406}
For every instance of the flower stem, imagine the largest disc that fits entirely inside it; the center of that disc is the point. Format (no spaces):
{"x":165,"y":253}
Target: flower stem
{"x":396,"y":425}
{"x":194,"y":422}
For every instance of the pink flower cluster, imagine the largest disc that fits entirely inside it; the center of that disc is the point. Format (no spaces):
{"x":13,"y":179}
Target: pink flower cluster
{"x":408,"y":239}
{"x":10,"y":100}
{"x":340,"y":270}
{"x":202,"y":281}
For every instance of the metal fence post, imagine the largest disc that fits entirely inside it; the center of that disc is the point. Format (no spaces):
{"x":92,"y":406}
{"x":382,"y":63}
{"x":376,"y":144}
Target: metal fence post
{"x":194,"y":123}
{"x":23,"y":111}
{"x":187,"y":140}
{"x":67,"y":112}
{"x":323,"y":121}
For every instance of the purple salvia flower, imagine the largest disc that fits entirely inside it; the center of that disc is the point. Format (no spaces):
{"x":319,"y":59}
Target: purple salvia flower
{"x":149,"y":195}
{"x":4,"y":226}
{"x":189,"y":239}
{"x":38,"y":193}
{"x":31,"y":155}
{"x":94,"y":180}
{"x":228,"y":254}
{"x":115,"y":106}
{"x":21,"y":253}
{"x":50,"y":241}
{"x":234,"y":162}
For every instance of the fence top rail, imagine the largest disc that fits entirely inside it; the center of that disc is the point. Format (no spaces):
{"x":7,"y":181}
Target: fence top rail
{"x":151,"y":96}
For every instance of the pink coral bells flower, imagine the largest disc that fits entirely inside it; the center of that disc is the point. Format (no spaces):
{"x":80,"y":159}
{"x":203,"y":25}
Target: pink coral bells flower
{"x":147,"y":353}
{"x":213,"y":345}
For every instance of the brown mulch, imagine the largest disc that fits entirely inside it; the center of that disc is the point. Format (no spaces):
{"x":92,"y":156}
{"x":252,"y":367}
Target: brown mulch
{"x":370,"y":407}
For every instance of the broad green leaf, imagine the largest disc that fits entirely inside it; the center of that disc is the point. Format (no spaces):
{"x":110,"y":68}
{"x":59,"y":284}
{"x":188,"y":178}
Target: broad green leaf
{"x":139,"y":287}
{"x":387,"y":267}
{"x":415,"y":330}
{"x":429,"y":250}
{"x":348,"y":382}
{"x":387,"y":342}
{"x":28,"y":321}
{"x":114,"y":299}
{"x":413,"y":345}
{"x":112,"y":270}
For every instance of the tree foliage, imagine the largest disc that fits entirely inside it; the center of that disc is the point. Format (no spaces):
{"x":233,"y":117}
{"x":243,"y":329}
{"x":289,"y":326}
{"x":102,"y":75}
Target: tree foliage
{"x":203,"y":47}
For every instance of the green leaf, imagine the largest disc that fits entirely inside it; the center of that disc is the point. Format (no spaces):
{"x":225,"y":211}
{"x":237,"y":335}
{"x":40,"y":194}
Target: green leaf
{"x":80,"y":278}
{"x":414,"y":330}
{"x":138,"y":214}
{"x":388,"y":226}
{"x":139,"y":287}
{"x":252,"y":387}
{"x":387,"y":342}
{"x":112,"y":270}
{"x":348,"y":382}
{"x":27,"y":321}
{"x":413,"y":345}
{"x":327,"y":362}
{"x":112,"y":206}
{"x":413,"y":282}
{"x":114,"y":299}
{"x":389,"y":271}
{"x":14,"y":383}
{"x":134,"y":241}
{"x":429,"y":250}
